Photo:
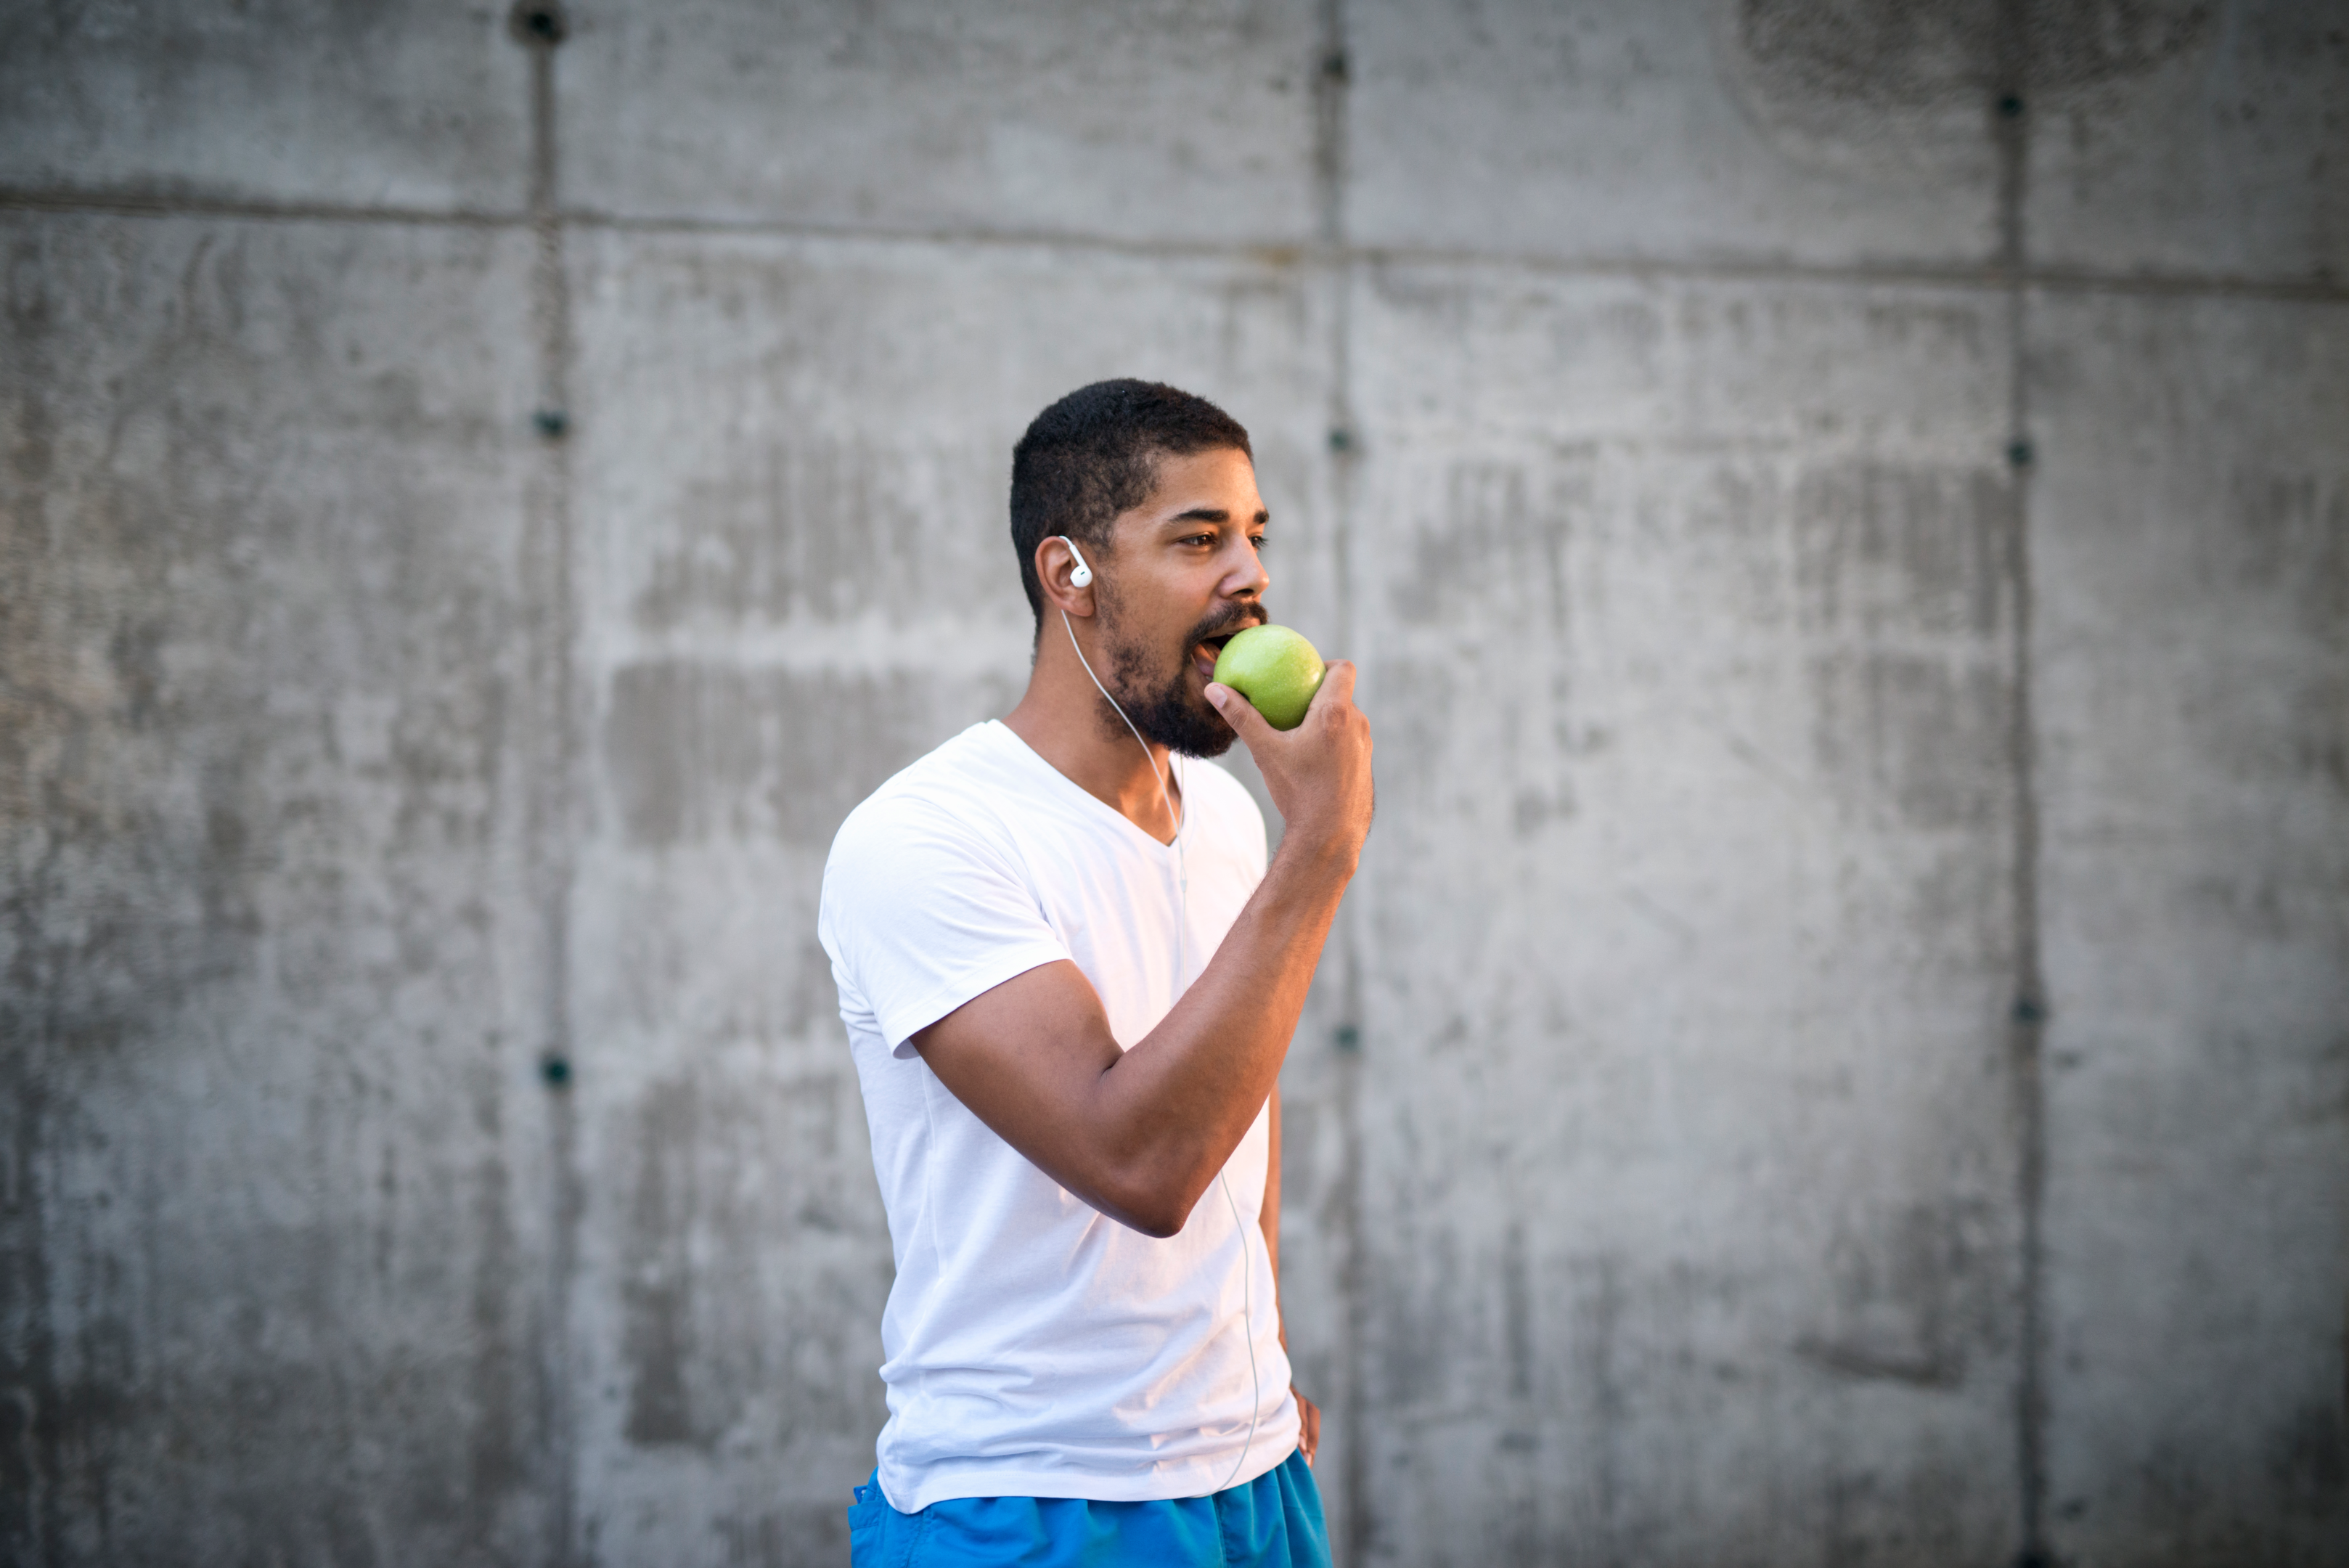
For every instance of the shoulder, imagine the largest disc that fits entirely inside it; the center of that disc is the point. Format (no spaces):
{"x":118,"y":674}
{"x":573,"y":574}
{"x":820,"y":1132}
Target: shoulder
{"x":928,"y":897}
{"x":951,"y":795}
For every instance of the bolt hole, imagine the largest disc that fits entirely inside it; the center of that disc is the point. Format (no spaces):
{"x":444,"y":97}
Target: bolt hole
{"x":553,"y":423}
{"x":538,"y":22}
{"x":2010,"y":105}
{"x":556,"y":1071}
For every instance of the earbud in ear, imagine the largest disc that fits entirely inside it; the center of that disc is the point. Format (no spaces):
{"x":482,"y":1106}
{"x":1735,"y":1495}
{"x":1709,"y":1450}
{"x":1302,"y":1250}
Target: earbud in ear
{"x":1083,"y":575}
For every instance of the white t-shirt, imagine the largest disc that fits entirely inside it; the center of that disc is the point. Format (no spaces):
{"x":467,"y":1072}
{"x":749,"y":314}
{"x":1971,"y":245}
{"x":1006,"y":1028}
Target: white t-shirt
{"x":1032,"y":1347}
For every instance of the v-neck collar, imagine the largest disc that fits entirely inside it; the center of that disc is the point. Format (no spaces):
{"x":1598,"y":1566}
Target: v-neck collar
{"x":1071,"y":787}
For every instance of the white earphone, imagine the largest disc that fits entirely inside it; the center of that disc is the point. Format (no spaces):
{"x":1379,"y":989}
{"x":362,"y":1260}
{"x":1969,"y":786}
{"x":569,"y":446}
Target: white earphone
{"x":1082,"y":576}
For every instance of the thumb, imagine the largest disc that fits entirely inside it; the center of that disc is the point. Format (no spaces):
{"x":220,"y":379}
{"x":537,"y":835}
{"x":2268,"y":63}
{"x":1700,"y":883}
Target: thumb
{"x":1239,"y":713}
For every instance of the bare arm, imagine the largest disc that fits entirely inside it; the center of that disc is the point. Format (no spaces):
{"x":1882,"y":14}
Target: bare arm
{"x":1140,"y":1134}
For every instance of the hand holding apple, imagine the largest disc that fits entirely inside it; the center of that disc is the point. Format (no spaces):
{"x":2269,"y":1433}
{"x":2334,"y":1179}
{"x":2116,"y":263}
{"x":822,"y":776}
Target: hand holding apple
{"x":1318,"y":769}
{"x":1276,"y":669}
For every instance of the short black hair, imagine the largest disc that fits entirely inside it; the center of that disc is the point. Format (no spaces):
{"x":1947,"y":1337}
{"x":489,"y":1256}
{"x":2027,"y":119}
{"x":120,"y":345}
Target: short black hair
{"x":1094,"y":454}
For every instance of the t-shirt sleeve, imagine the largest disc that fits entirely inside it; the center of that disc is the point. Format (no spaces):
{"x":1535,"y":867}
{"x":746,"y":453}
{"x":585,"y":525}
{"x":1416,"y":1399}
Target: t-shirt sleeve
{"x":923,"y":910}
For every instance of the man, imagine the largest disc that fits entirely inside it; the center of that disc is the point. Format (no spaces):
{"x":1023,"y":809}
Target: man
{"x":1070,"y":977}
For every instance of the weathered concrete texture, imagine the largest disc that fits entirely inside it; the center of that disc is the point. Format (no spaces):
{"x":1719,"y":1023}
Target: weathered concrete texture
{"x":1756,"y":720}
{"x":1166,"y":122}
{"x":2192,"y":570}
{"x":1689,"y":1173}
{"x":2192,"y":138}
{"x":1686,"y":130}
{"x":353,"y":104}
{"x":796,"y":578}
{"x":273,"y":1209}
{"x":2168,"y":135}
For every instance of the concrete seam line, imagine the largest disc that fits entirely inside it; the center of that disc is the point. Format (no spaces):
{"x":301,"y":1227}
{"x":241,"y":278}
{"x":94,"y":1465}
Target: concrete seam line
{"x":2009,"y":127}
{"x":1270,"y":252}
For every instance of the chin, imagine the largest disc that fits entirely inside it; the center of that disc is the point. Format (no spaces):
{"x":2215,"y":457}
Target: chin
{"x":1181,"y":721}
{"x":1211,"y":748}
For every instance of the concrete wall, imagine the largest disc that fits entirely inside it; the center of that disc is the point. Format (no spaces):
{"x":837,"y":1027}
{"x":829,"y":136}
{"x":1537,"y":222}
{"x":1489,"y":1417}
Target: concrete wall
{"x":1839,"y":1052}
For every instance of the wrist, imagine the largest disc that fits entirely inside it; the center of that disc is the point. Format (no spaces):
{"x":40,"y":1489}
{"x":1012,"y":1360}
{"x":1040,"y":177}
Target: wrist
{"x":1322,"y":851}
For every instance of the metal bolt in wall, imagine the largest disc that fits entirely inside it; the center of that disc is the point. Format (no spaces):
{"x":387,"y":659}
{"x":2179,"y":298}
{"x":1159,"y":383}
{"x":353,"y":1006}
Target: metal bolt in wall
{"x":539,"y":23}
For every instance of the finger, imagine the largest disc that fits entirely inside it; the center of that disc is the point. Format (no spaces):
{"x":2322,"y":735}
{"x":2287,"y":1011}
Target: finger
{"x":1238,"y":712}
{"x":1337,"y":681}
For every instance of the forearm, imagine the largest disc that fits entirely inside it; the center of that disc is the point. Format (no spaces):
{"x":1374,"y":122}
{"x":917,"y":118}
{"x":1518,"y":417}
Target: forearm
{"x":1140,"y":1133}
{"x":1168,"y":1113}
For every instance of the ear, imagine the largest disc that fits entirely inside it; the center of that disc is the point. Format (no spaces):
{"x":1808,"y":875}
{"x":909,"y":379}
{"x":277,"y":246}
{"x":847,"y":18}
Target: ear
{"x":1056,"y":571}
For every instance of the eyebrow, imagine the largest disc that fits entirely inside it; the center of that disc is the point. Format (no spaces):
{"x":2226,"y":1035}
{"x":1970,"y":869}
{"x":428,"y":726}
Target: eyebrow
{"x":1214,"y":515}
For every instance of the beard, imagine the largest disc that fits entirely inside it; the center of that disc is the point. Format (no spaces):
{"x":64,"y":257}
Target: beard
{"x":1159,"y":700}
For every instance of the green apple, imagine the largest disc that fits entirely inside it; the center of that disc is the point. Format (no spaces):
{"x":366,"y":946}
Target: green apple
{"x":1276,"y":669}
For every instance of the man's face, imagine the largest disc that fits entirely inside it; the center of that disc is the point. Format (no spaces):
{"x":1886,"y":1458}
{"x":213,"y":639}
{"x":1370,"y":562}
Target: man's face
{"x":1181,"y":577}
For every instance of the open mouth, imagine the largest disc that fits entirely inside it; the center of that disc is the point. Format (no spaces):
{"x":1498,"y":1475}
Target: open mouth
{"x":1207,"y":649}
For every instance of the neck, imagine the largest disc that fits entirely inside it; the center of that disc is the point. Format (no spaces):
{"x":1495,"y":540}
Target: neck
{"x":1062,"y":719}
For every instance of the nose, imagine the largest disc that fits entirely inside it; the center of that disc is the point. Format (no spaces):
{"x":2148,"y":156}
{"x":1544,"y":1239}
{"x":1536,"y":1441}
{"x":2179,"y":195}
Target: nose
{"x":1246,"y":575}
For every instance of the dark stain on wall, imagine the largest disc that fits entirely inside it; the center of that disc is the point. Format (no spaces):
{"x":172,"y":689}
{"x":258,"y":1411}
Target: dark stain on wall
{"x":695,"y":751}
{"x":742,"y":1285}
{"x":1491,"y":553}
{"x":1896,"y":54}
{"x":1917,"y":737}
{"x":34,"y":1484}
{"x":1914,"y":1297}
{"x":1902,"y":587}
{"x":2308,"y":1460}
{"x":1517,"y":1314}
{"x":1888,"y":551}
{"x":657,"y":1288}
{"x":810,"y":529}
{"x":1888,"y":92}
{"x":496,"y":1449}
{"x":2290,"y":540}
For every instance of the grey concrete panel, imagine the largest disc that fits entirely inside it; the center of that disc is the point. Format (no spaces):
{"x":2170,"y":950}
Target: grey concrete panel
{"x":796,"y":577}
{"x":365,"y":105}
{"x":1158,"y":122}
{"x":1684,"y":131}
{"x":272,"y":1248}
{"x":2192,"y":138}
{"x":1686,"y":926}
{"x":1651,"y":1186}
{"x":2191,"y":569}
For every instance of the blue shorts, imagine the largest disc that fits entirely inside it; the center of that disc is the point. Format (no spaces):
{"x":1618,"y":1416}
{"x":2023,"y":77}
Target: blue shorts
{"x":1272,"y":1521}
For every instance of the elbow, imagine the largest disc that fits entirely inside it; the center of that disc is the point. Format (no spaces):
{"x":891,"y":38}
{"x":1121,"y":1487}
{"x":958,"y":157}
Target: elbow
{"x":1162,"y":1224}
{"x":1158,"y":1227}
{"x":1145,"y":1184}
{"x":1155,"y":1210}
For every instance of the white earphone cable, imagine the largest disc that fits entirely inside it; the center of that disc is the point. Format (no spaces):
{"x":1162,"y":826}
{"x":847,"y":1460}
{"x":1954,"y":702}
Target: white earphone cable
{"x":1149,"y":755}
{"x":1222,"y":1177}
{"x":1247,"y":1330}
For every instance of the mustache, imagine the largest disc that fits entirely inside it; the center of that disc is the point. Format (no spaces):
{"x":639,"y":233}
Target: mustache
{"x":1239,"y":617}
